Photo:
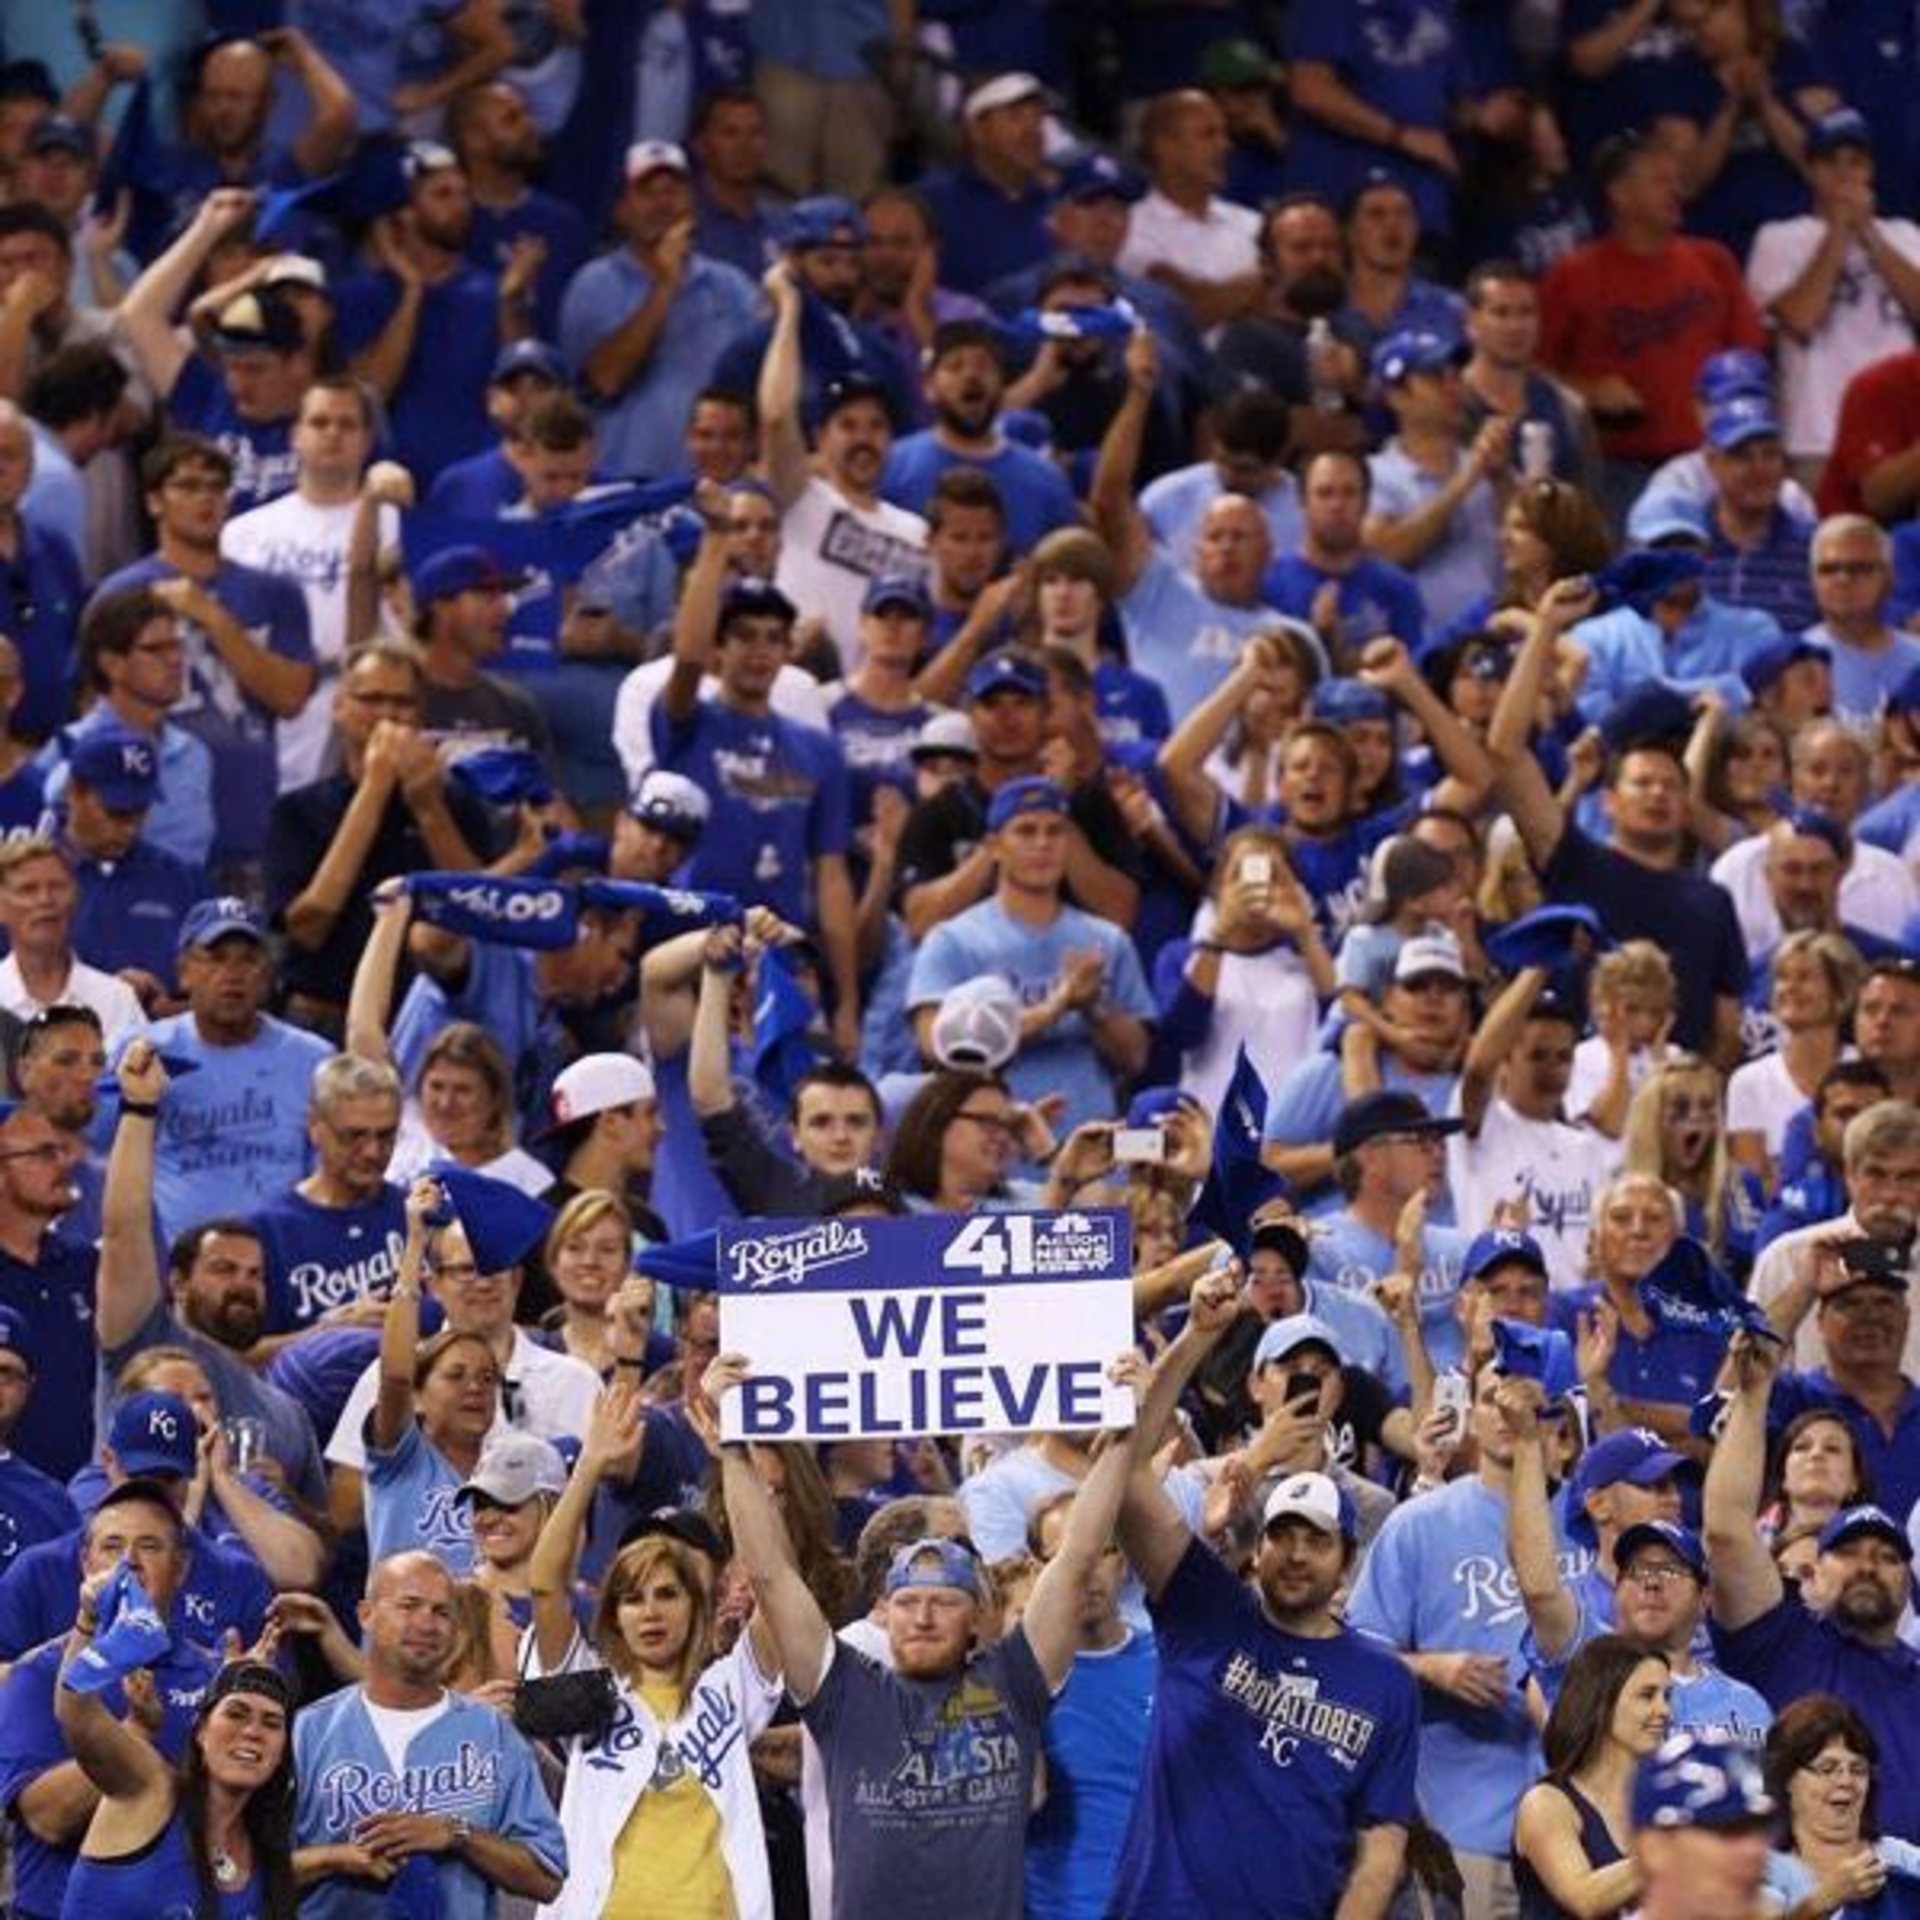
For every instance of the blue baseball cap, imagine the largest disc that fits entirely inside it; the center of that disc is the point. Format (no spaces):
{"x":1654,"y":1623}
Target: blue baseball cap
{"x":1415,"y":350}
{"x":16,"y":1336}
{"x":1660,"y":517}
{"x":1682,"y":1542}
{"x":1731,"y":373}
{"x":155,"y":1435}
{"x":1343,"y":701}
{"x":119,"y":765}
{"x":1006,"y":672}
{"x":1820,"y":826}
{"x":1701,"y":1780}
{"x":933,"y":1562}
{"x":1765,"y":665}
{"x":897,"y":590}
{"x":1386,"y":1110}
{"x":1496,"y":1247}
{"x":210,"y":920}
{"x":1843,"y":127}
{"x":1098,"y":176}
{"x":529,"y":356}
{"x":1747,"y":416}
{"x":1285,"y":1337}
{"x":1651,"y":711}
{"x":1636,"y":1455}
{"x":824,"y":221}
{"x":462,"y":569}
{"x":61,"y":133}
{"x":1031,"y":795}
{"x":1865,"y":1521}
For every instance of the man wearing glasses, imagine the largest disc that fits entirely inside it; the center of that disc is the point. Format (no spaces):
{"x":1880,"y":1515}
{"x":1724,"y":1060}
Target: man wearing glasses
{"x":1852,"y":583}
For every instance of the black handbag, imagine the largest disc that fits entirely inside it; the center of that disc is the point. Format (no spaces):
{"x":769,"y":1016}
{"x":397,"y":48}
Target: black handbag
{"x":566,"y":1706}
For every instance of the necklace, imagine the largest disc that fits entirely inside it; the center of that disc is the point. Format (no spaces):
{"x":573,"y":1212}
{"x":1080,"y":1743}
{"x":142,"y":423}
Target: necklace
{"x":226,"y":1869}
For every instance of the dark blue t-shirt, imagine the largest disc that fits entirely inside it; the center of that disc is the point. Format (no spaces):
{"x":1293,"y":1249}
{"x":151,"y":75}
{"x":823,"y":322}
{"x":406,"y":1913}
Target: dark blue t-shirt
{"x":261,"y":450}
{"x":33,"y":1507}
{"x":130,"y":909}
{"x":1310,"y":1739}
{"x":55,"y":1296}
{"x":40,"y":597}
{"x":319,"y":1258}
{"x":1376,"y":598}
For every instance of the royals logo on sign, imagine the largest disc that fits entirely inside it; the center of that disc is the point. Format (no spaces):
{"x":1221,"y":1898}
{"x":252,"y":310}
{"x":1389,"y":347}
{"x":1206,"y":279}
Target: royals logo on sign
{"x":933,"y":1323}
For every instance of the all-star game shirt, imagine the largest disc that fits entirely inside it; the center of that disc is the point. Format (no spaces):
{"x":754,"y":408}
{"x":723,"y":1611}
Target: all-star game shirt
{"x":1259,"y":1731}
{"x":929,"y":1782}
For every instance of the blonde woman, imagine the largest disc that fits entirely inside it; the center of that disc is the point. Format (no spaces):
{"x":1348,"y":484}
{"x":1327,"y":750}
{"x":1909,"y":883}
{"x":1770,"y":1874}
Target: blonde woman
{"x":661,"y":1816}
{"x":1677,"y":1134}
{"x":588,"y":1255}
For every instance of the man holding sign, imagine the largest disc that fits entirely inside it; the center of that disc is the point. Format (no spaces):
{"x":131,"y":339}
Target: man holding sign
{"x":930,"y":1766}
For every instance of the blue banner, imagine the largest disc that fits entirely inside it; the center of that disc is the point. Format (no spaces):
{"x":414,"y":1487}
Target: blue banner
{"x":510,"y":913}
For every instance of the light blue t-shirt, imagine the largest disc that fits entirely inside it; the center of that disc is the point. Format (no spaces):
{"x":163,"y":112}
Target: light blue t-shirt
{"x":642,"y":431}
{"x":1437,"y":1580}
{"x":410,"y":1503}
{"x":1462,"y":567}
{"x":1062,"y":1059}
{"x":1626,"y":649}
{"x":1175,"y":504}
{"x":1184,"y":638}
{"x":1305,"y":1105}
{"x":233,"y":1135}
{"x":1863,"y":682}
{"x":1350,"y":1256}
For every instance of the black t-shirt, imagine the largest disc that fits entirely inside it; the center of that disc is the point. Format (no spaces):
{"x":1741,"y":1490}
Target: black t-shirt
{"x":491,"y":713}
{"x":1690,"y":918}
{"x":299,"y":831}
{"x":941,"y":832}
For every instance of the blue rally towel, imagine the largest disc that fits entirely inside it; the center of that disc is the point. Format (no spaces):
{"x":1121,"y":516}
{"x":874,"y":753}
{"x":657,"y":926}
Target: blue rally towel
{"x":1547,"y":937}
{"x":1685,"y":1290}
{"x":130,"y":1635}
{"x":782,"y":1018}
{"x":1238,"y":1185}
{"x":690,"y":907}
{"x":692,"y":1263}
{"x":1037,"y":324}
{"x":510,"y":913}
{"x":505,"y":775}
{"x":1640,"y":578}
{"x":1535,"y":1353}
{"x":502,"y":1224}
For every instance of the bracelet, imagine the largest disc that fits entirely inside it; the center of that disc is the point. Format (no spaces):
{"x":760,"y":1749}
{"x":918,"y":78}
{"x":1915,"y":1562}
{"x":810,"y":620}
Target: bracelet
{"x":636,"y":1365}
{"x":86,"y":1629}
{"x":144,"y":1109}
{"x":1206,"y":946}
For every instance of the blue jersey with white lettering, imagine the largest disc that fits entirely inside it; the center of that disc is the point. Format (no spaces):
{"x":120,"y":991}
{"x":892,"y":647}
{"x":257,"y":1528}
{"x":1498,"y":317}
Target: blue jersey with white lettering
{"x":23,"y":805}
{"x":264,"y":466}
{"x":468,"y":1762}
{"x":319,"y":1258}
{"x":1308,"y":1740}
{"x":410,"y":1503}
{"x":779,"y":802}
{"x":233,"y":1135}
{"x":32,"y":1744}
{"x":1349,"y":1255}
{"x":33,"y":1507}
{"x":1671,"y":1367}
{"x":1437,"y":1580}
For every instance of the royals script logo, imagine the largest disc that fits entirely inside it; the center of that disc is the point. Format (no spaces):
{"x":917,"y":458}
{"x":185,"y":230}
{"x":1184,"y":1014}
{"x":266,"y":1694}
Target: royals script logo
{"x":786,"y":1259}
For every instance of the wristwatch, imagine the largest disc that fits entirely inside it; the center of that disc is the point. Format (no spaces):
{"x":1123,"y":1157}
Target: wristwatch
{"x":462,"y":1831}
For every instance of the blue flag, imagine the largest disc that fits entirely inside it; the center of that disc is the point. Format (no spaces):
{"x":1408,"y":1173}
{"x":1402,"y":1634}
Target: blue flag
{"x":510,"y":913}
{"x":782,"y":1017}
{"x":692,"y":1263}
{"x":130,"y":1635}
{"x":687,"y":905}
{"x":1535,"y":1353}
{"x":1685,"y":1290}
{"x":1038,"y":324}
{"x":1238,"y":1184}
{"x":505,"y":775}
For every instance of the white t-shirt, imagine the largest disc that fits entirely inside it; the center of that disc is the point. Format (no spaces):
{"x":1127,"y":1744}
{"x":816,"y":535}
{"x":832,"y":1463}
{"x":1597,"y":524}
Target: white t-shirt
{"x":1877,"y":892}
{"x":1221,"y":244}
{"x":555,"y":1394}
{"x":1761,"y":1098}
{"x":300,"y":541}
{"x":796,"y":697}
{"x":1593,"y":1062}
{"x":1264,"y":1000}
{"x":1557,"y":1169}
{"x":105,"y":994}
{"x":1864,"y":323}
{"x":416,"y":1150}
{"x":830,"y":550}
{"x":396,"y":1728}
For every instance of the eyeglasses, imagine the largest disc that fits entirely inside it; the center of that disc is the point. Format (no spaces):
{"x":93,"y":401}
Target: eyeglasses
{"x":1846,"y":569}
{"x":47,"y":1152}
{"x":1838,"y":1769}
{"x":1656,"y":1576}
{"x":992,"y":1122}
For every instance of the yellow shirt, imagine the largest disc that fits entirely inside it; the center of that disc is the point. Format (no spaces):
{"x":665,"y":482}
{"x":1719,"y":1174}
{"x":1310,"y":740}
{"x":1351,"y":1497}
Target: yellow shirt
{"x":667,"y":1863}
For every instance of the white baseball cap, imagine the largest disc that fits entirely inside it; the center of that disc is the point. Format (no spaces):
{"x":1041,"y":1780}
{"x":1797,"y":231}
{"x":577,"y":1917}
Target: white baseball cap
{"x":598,"y":1082}
{"x":295,"y":270}
{"x":671,"y":802}
{"x":1314,"y":1498}
{"x":1430,"y":953}
{"x":948,"y":731}
{"x":650,"y":156}
{"x":1003,"y":90}
{"x":978,"y":1024}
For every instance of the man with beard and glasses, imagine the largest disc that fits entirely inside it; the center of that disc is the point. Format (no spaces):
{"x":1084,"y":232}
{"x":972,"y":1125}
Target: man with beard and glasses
{"x":965,"y":384}
{"x":1764,"y":1635}
{"x":423,"y":327}
{"x":837,"y":534}
{"x":214,"y":1301}
{"x":1309,"y":1728}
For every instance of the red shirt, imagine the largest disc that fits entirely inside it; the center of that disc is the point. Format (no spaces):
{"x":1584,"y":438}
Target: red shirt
{"x":1879,"y":417}
{"x":1652,"y":318}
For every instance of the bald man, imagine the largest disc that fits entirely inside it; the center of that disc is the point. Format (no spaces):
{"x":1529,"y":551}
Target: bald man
{"x":399,"y":1767}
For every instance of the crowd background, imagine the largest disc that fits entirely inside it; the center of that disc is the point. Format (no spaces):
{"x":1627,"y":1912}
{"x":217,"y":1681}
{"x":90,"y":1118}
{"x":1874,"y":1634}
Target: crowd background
{"x":1299,"y":620}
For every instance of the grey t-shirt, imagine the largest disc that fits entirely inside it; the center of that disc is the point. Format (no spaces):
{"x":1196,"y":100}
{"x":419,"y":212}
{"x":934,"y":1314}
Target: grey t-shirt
{"x":929,"y":1783}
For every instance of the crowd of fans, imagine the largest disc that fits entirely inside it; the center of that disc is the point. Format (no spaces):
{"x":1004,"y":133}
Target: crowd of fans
{"x":1300,"y":621}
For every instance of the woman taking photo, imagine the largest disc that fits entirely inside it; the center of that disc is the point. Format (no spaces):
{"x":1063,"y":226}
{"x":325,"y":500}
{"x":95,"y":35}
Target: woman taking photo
{"x":435,"y":1406}
{"x":213,"y":1837}
{"x":649,"y":1835}
{"x":1573,"y":1835}
{"x":1822,"y":1763}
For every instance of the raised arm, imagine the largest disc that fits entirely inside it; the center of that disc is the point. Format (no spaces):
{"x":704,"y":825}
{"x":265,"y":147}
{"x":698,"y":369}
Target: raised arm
{"x":129,"y":1274}
{"x":1115,"y":513}
{"x":1552,"y":1611}
{"x":1746,"y":1583}
{"x":333,"y":115}
{"x":800,"y":1632}
{"x":1522,"y":785}
{"x":370,"y":1003}
{"x":613,"y":1436}
{"x":1493,"y":1040}
{"x":697,"y":621}
{"x":116,"y":1760}
{"x":1183,"y":755}
{"x":783,"y":445}
{"x":146,"y":315}
{"x":400,"y":1328}
{"x":1387,"y":665}
{"x":709,"y":1071}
